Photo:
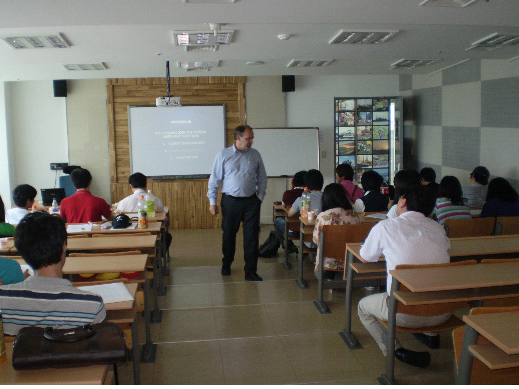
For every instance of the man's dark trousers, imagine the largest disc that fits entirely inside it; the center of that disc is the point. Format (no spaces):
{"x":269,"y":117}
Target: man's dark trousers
{"x":234,"y":211}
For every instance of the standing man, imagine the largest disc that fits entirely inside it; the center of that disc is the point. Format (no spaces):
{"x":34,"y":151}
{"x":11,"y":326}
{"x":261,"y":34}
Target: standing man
{"x":244,"y":181}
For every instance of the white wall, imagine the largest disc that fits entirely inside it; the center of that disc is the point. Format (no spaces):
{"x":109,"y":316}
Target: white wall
{"x":5,"y":183}
{"x":38,"y":131}
{"x":311,"y":105}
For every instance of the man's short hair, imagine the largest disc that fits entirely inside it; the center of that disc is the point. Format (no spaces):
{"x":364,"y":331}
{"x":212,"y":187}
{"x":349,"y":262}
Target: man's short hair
{"x":345,"y":170}
{"x":428,"y":174}
{"x":22,"y":193}
{"x":240,"y":130}
{"x":80,"y":178}
{"x":403,"y":180}
{"x":420,"y":198}
{"x":314,"y":179}
{"x":39,"y":238}
{"x":480,"y":174}
{"x":299,"y":178}
{"x":137,"y":180}
{"x":371,"y":181}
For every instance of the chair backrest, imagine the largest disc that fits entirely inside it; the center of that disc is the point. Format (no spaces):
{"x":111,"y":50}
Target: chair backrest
{"x":133,"y":252}
{"x":463,"y":228}
{"x":481,"y":374}
{"x":432,"y":309}
{"x":507,"y":225}
{"x":337,"y":236}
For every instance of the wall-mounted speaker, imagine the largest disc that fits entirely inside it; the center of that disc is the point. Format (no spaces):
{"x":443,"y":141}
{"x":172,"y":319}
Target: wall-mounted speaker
{"x":60,"y":88}
{"x":288,"y":83}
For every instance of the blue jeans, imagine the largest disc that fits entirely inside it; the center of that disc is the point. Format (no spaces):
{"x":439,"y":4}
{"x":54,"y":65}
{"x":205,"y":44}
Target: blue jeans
{"x":279,"y":227}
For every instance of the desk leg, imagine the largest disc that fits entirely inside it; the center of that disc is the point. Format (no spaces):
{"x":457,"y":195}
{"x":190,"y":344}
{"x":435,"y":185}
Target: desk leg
{"x":160,"y":270}
{"x":319,"y":303}
{"x":466,"y":358}
{"x":149,"y":349}
{"x":300,"y":281}
{"x":156,"y":314}
{"x":286,"y":264}
{"x":346,"y":333}
{"x":389,"y":377}
{"x":165,"y":262}
{"x":135,"y":354}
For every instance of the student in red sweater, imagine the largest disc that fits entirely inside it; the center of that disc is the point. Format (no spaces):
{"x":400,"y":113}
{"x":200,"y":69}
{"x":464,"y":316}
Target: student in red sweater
{"x":83,"y":207}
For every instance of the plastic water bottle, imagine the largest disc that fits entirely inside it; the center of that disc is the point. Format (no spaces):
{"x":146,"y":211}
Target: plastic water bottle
{"x":150,"y":203}
{"x":305,"y":203}
{"x":142,"y":210}
{"x":54,"y":208}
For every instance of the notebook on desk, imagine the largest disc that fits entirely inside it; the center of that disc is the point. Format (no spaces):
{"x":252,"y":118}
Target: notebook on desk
{"x":47,"y":195}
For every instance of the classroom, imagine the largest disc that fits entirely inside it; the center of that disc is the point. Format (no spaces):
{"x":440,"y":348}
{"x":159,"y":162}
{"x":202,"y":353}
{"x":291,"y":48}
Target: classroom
{"x":459,"y":112}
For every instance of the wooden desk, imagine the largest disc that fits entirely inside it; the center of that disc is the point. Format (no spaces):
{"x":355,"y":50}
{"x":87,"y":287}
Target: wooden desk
{"x":460,"y":283}
{"x":502,"y":329}
{"x":364,"y":217}
{"x":153,"y":227}
{"x":278,"y":210}
{"x":88,"y":375}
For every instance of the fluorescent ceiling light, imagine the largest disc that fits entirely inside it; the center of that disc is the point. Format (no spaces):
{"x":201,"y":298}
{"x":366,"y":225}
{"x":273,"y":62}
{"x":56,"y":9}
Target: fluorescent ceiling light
{"x":209,"y":1}
{"x":86,"y":66}
{"x":362,"y":36}
{"x":450,"y":66}
{"x":37,"y":42}
{"x":495,"y":41}
{"x":305,"y":63}
{"x":447,"y":3}
{"x":412,"y":63}
{"x":197,"y":65}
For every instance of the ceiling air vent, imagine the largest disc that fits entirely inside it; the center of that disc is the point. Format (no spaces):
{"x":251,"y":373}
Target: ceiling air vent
{"x":306,"y":63}
{"x":447,"y":3}
{"x":494,"y":41}
{"x":412,"y":63}
{"x":205,"y":40}
{"x":85,"y":66}
{"x":37,"y":42}
{"x":362,"y":36}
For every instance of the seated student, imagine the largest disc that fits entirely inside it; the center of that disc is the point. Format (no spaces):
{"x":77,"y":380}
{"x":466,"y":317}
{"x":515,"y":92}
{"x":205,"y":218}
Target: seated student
{"x":410,"y":238}
{"x":336,"y":209}
{"x":82,"y":206}
{"x":314,"y":182}
{"x":373,"y":200}
{"x":138,"y":183}
{"x":297,"y":184}
{"x":344,"y":174}
{"x":46,"y":299}
{"x":428,"y":178}
{"x":23,"y":197}
{"x":449,"y":203}
{"x":6,"y":229}
{"x":475,"y":194}
{"x":501,"y":199}
{"x":403,"y":180}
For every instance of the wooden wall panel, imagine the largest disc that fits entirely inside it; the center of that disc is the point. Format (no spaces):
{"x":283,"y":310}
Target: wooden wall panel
{"x":186,"y":199}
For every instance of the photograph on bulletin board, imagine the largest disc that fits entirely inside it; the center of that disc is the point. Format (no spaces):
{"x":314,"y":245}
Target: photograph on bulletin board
{"x":345,"y":105}
{"x":346,"y":119}
{"x":364,"y":147}
{"x":346,"y":133}
{"x":381,"y":118}
{"x":364,"y":104}
{"x":380,"y":147}
{"x":346,"y":148}
{"x":384,"y":173}
{"x":380,"y":104}
{"x":364,"y":118}
{"x":380,"y":160}
{"x":380,"y":132}
{"x":349,"y":159}
{"x":364,"y":133}
{"x":364,"y":162}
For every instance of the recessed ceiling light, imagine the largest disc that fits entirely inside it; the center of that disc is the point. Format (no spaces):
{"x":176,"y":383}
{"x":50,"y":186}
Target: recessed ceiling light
{"x":495,"y":41}
{"x":306,"y":63}
{"x":209,"y":1}
{"x":447,"y":3}
{"x":254,"y":63}
{"x":284,"y":37}
{"x":412,"y":63}
{"x":197,"y":65}
{"x":86,"y":66}
{"x":37,"y":42}
{"x":362,"y":36}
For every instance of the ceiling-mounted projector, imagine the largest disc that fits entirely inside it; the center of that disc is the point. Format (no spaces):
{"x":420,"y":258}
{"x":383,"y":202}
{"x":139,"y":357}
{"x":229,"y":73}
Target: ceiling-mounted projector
{"x":168,"y":101}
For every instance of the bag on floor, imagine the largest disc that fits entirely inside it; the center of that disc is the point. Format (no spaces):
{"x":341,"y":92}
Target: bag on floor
{"x":270,"y":247}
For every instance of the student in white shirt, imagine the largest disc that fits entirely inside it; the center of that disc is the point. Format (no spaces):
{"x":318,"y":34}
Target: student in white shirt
{"x":138,"y":185}
{"x":23,"y":197}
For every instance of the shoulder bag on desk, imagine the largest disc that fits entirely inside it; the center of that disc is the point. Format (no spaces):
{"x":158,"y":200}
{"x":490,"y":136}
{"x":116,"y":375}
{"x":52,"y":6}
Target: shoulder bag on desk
{"x":93,"y":344}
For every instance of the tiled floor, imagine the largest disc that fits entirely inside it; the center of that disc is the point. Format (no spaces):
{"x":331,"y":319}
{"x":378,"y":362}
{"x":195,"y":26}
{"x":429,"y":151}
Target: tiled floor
{"x":224,"y":330}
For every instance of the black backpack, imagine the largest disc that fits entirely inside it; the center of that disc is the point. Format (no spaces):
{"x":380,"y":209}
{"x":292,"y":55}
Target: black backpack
{"x":270,"y":247}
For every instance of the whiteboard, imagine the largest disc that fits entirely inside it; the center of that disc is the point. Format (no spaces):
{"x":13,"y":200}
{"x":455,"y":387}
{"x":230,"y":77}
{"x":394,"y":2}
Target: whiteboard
{"x":285,"y":151}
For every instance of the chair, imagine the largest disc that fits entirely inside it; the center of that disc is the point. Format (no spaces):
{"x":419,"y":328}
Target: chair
{"x":507,"y":225}
{"x":332,"y":241}
{"x":501,"y":302}
{"x":463,"y":228}
{"x":481,"y":374}
{"x":111,"y":276}
{"x":432,"y":309}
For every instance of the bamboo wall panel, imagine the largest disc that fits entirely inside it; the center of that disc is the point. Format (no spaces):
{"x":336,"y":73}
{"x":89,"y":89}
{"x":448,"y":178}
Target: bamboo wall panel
{"x":186,"y":199}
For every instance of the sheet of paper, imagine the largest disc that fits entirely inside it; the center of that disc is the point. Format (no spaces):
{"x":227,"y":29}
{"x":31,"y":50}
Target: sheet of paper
{"x":377,"y":215}
{"x":79,"y":227}
{"x":27,"y":267}
{"x":111,"y":293}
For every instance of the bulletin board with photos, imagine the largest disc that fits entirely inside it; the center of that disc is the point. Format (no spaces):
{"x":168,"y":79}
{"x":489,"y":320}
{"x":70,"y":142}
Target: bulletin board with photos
{"x":366,"y":134}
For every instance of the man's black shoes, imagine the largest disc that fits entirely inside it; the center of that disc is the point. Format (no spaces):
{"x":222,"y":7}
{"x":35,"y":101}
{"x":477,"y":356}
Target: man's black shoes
{"x":252,"y":277}
{"x":413,"y":358}
{"x":226,"y":270}
{"x":432,"y":342}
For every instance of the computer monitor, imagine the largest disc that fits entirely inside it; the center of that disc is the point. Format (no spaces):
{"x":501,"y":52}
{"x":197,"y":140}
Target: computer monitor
{"x":47,"y":195}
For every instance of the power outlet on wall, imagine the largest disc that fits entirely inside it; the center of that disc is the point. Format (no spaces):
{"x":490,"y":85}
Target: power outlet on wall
{"x":58,"y":165}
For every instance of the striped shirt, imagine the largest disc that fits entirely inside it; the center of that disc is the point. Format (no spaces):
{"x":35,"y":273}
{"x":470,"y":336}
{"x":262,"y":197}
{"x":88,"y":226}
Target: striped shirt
{"x":48,"y":302}
{"x":444,"y":210}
